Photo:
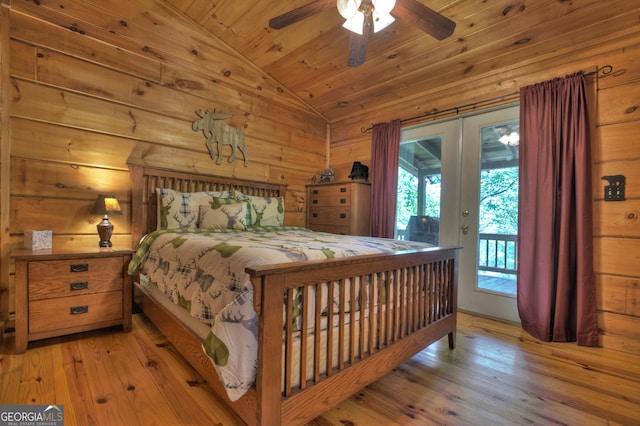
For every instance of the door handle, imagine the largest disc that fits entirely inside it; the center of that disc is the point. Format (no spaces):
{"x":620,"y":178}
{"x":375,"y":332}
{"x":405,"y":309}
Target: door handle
{"x":465,"y":229}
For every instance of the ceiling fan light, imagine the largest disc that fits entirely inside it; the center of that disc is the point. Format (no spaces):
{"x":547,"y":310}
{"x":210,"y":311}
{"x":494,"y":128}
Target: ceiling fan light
{"x":381,"y":21}
{"x":383,"y":7}
{"x":349,"y":8}
{"x":355,"y":23}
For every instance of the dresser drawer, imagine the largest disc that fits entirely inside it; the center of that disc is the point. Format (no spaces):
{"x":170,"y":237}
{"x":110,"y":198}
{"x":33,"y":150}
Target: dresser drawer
{"x":66,"y":312}
{"x":329,"y":216}
{"x":330,"y":196}
{"x":331,"y":190}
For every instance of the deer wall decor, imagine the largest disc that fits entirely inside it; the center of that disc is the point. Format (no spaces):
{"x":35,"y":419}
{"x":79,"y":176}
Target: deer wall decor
{"x":220,"y":133}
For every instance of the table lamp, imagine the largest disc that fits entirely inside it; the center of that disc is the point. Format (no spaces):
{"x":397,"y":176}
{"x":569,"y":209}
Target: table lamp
{"x":106,"y":205}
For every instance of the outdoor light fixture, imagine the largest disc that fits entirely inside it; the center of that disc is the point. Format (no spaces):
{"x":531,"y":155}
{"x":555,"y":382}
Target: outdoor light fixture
{"x":512,"y":139}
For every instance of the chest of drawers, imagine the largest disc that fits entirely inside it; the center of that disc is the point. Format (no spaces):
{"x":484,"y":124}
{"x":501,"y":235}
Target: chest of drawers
{"x":59,"y":293}
{"x":339,"y":208}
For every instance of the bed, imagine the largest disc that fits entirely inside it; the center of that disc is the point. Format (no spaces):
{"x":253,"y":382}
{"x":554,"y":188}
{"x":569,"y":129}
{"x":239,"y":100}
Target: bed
{"x":311,"y":353}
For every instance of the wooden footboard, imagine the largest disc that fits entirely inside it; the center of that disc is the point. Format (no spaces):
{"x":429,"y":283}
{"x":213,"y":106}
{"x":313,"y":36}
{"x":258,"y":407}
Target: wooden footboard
{"x":387,"y":308}
{"x":407,"y":302}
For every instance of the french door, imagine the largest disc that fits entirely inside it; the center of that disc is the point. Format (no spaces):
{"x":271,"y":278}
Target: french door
{"x":465,"y":172}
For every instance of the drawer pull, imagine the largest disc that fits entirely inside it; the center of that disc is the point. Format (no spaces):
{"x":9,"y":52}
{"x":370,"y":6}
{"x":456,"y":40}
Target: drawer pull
{"x":315,"y":215}
{"x":79,"y":267}
{"x":314,"y":202}
{"x":77,"y":310}
{"x":79,"y":285}
{"x":343,"y":215}
{"x":315,"y":192}
{"x":343,"y":189}
{"x":343,"y":201}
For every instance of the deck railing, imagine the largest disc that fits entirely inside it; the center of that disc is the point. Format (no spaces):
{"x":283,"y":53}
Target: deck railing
{"x":498,"y":253}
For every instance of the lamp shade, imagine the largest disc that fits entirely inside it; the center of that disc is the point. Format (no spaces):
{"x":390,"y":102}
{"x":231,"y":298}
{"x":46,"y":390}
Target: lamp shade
{"x":106,"y":204}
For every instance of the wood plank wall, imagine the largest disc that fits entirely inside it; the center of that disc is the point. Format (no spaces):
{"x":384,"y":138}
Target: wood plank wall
{"x":88,"y":88}
{"x":616,"y":150}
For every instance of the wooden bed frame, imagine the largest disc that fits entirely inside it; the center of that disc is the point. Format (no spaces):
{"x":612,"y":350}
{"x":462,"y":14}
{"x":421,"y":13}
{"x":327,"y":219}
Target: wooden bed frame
{"x":419,"y":308}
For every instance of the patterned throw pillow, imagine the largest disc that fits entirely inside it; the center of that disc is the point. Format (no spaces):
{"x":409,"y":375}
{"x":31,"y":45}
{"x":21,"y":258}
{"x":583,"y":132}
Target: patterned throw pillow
{"x":223,"y":216}
{"x":263,"y":211}
{"x":181,"y":209}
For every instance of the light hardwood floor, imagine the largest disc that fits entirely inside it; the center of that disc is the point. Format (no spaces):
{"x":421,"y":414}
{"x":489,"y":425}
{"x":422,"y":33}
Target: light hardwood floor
{"x":497,"y":375}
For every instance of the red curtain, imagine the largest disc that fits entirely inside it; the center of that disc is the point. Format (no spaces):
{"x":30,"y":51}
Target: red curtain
{"x":385,"y":150}
{"x":556,"y":283}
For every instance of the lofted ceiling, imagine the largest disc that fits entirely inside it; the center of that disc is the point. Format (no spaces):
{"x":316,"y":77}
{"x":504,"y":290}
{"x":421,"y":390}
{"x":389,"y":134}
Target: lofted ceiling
{"x":309,"y":58}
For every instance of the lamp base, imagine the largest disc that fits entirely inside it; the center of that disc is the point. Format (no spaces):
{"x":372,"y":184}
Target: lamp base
{"x":105,"y":230}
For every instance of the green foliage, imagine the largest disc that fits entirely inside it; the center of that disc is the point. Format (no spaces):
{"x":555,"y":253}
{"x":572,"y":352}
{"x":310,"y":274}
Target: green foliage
{"x":407,"y":203}
{"x":499,"y":201}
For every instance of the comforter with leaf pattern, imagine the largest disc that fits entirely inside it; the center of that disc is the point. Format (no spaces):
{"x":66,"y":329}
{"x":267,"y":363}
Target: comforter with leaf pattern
{"x":203,"y":271}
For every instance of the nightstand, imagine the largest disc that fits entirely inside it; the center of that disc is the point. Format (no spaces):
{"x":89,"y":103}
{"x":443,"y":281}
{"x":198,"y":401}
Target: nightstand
{"x":339,"y":208}
{"x":64,"y":292}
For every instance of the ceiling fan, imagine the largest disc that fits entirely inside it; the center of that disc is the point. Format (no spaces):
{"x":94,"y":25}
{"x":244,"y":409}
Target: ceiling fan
{"x":364,"y":16}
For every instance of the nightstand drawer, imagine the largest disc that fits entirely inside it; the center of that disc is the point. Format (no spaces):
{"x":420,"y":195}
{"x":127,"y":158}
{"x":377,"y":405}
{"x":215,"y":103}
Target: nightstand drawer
{"x":72,"y":286}
{"x":67,"y":312}
{"x":74,"y":269}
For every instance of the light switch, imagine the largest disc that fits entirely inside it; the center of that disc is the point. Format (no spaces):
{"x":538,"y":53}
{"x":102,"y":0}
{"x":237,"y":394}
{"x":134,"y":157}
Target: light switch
{"x":615,"y":190}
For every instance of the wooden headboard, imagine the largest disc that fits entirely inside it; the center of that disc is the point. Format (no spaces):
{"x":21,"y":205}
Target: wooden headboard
{"x":145,"y":180}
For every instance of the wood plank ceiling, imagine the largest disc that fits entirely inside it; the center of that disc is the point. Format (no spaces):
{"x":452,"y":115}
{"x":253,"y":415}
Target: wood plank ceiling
{"x":309,"y":58}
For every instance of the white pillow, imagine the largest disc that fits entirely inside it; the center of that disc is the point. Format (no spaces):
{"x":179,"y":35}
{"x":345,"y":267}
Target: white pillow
{"x":263,"y":211}
{"x":223,"y":216}
{"x":181,"y":209}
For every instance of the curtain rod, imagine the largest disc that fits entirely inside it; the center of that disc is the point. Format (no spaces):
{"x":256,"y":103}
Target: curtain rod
{"x":605,"y":69}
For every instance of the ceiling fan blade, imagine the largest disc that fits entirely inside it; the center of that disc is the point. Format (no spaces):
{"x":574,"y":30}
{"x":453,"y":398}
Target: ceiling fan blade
{"x":428,"y":20}
{"x":300,"y":13}
{"x":358,"y":43}
{"x":357,"y":49}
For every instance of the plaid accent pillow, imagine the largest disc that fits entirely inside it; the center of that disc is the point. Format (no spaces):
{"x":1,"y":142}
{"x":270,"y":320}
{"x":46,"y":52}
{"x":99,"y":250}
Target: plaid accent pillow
{"x":181,"y":209}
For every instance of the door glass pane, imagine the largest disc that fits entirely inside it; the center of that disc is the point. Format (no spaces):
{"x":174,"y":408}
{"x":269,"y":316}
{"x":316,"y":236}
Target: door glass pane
{"x":419,"y":190}
{"x":498,"y":210}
